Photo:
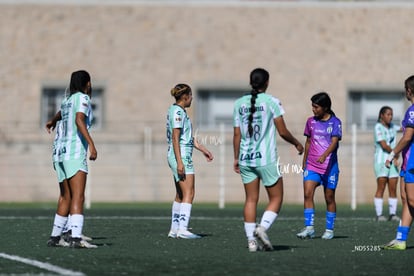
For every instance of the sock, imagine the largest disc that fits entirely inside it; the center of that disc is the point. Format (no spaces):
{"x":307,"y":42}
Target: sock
{"x":58,"y":225}
{"x":175,"y":216}
{"x":77,"y":225}
{"x":378,"y":206}
{"x":185,"y":213}
{"x":402,"y":233}
{"x":67,"y":226}
{"x":330,"y":220}
{"x":392,"y":204}
{"x":309,"y":214}
{"x":249,"y":229}
{"x":267,"y":219}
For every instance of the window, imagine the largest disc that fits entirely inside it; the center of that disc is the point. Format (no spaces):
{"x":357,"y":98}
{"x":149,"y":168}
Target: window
{"x":52,"y":97}
{"x":364,"y":106}
{"x":215,"y":106}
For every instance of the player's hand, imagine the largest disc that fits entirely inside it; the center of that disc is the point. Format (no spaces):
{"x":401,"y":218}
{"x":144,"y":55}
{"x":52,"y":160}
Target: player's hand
{"x":93,"y":154}
{"x":299,"y":148}
{"x":50,"y":126}
{"x":236,"y":167}
{"x":181,"y":171}
{"x":209,"y":156}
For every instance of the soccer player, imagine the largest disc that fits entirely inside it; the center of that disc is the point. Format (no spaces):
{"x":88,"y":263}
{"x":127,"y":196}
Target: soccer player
{"x":256,"y":117}
{"x":180,"y":150}
{"x":405,"y":145}
{"x":385,"y":133}
{"x":70,"y":153}
{"x":60,"y":234}
{"x":320,"y":163}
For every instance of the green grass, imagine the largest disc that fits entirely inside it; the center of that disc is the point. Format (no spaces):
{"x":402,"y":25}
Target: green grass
{"x":132,"y":241}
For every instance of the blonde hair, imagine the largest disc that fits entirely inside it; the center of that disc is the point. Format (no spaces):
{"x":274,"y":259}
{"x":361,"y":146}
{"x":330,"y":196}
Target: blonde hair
{"x":179,"y":90}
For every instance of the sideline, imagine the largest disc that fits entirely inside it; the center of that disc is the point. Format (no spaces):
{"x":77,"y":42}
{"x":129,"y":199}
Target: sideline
{"x":46,"y":266}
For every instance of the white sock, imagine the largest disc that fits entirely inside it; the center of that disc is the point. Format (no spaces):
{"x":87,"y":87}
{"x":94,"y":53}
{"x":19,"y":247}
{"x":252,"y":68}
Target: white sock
{"x":185,"y":214}
{"x":249,"y":229}
{"x":378,"y":205}
{"x":175,"y":216}
{"x":77,"y":225}
{"x":67,"y":225}
{"x":58,"y":225}
{"x":267,"y":219}
{"x":392,"y":205}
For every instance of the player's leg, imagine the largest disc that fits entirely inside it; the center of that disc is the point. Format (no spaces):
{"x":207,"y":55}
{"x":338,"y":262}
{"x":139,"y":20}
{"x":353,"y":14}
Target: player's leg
{"x":330,"y":213}
{"x":310,"y":182}
{"x":175,"y":211}
{"x":392,"y":198}
{"x":251,"y":190}
{"x":188,"y":192}
{"x":378,"y":198}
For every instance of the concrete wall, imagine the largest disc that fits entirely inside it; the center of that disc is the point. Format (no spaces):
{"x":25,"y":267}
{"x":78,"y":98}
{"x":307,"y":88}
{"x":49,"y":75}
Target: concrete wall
{"x":138,"y":51}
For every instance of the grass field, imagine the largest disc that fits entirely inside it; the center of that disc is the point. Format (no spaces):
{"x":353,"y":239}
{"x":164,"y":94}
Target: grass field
{"x":132,"y":241}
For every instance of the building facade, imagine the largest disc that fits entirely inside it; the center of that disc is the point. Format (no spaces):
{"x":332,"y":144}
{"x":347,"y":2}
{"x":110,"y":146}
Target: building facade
{"x":136,"y":51}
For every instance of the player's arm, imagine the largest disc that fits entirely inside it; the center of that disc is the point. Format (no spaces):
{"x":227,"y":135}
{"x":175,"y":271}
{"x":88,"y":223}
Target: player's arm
{"x":384,"y":146}
{"x":51,"y":124}
{"x":203,"y":149}
{"x":81,"y":125}
{"x":236,"y":148}
{"x":330,"y":149}
{"x":176,"y":132}
{"x":306,"y":152}
{"x":404,"y":142}
{"x":286,"y":135}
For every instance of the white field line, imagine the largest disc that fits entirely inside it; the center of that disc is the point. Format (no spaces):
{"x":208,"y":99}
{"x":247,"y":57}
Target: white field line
{"x":42,"y":265}
{"x":167,"y":218}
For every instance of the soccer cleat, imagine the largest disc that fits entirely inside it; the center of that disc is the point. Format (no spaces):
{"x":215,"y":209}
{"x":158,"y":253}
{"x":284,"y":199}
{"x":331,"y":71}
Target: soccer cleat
{"x":381,"y":218}
{"x":261,"y":234}
{"x":307,"y":232}
{"x":396,"y":245}
{"x":57,"y":242}
{"x":79,"y":243}
{"x":329,"y":234}
{"x":68,"y":235}
{"x":394,"y":218}
{"x":185,"y":234}
{"x":172,"y":234}
{"x":253,"y":246}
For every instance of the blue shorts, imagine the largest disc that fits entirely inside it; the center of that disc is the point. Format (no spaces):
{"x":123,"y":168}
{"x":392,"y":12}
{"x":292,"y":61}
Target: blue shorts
{"x":269,"y":174}
{"x":67,"y":169}
{"x":329,"y":180}
{"x":188,"y":166}
{"x":409,"y":176}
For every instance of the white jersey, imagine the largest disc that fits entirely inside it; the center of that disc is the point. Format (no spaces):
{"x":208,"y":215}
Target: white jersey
{"x":387,"y":134}
{"x":71,"y":145}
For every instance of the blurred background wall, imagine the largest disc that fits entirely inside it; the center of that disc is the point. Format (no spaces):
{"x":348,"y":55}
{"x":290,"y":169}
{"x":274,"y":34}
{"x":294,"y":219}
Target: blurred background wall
{"x":136,"y":51}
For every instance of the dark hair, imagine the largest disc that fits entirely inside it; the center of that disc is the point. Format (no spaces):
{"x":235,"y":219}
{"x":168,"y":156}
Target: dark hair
{"x":409,"y":83}
{"x":78,"y":81}
{"x":179,"y":90}
{"x":259,"y":78}
{"x":382,"y":111}
{"x":322,"y":99}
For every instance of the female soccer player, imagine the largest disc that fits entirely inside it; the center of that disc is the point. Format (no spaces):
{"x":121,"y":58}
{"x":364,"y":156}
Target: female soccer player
{"x":180,"y":150}
{"x":385,"y":133}
{"x":320,"y":162}
{"x":256,"y":117}
{"x":70,"y":153}
{"x":405,"y":145}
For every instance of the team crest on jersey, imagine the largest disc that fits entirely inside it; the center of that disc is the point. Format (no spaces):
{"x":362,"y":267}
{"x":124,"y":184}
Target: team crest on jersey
{"x":329,"y":129}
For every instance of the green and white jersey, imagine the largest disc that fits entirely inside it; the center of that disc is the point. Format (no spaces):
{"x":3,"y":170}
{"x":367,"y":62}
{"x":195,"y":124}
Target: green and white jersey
{"x":177,"y":118}
{"x":389,"y":135}
{"x":71,"y":144}
{"x":56,"y":142}
{"x":259,"y":149}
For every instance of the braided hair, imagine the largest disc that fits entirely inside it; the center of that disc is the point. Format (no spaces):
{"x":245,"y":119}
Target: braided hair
{"x":258,"y":81}
{"x":179,"y":90}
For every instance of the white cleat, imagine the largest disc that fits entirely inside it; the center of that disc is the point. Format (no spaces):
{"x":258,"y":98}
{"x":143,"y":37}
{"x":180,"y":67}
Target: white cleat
{"x":185,"y":234}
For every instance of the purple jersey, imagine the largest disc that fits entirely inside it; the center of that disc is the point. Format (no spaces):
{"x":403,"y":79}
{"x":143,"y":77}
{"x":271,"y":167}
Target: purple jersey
{"x":320,"y":134}
{"x":408,"y":121}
